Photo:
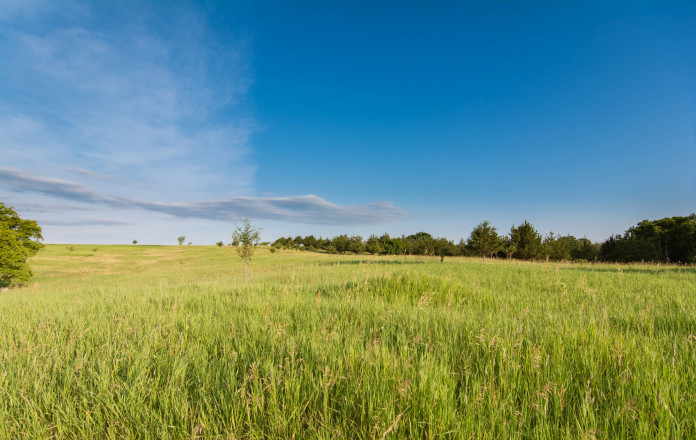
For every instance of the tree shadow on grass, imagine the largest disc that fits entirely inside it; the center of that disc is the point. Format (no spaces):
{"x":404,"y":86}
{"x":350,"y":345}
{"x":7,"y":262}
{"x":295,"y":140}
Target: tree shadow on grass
{"x":673,"y":324}
{"x":358,"y":262}
{"x":691,"y":270}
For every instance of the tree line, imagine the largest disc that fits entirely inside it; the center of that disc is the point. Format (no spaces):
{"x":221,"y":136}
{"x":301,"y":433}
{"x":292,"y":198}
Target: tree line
{"x":671,"y":239}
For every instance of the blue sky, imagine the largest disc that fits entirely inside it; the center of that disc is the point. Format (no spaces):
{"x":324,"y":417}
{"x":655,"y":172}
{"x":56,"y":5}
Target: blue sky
{"x":141,"y":120}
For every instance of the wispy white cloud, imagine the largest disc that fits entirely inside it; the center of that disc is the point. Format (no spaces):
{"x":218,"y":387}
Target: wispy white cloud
{"x":93,"y":175}
{"x":128,"y":109}
{"x":84,"y":222}
{"x":135,"y":95}
{"x":52,"y":207}
{"x":302,"y":209}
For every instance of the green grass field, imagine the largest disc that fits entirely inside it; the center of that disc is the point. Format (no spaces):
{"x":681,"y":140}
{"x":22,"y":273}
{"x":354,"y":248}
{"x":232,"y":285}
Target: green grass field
{"x":170,"y":342}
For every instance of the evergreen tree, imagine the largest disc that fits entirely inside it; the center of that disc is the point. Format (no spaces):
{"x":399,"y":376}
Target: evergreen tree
{"x":528,"y":241}
{"x":484,"y":240}
{"x":509,"y":246}
{"x":356,"y":245}
{"x":558,"y":248}
{"x":373,"y":245}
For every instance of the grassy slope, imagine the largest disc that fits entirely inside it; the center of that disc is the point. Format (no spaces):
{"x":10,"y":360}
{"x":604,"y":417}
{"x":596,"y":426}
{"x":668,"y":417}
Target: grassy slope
{"x":169,"y":342}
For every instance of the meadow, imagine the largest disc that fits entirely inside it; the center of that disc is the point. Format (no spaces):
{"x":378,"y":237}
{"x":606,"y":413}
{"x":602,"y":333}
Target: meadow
{"x":169,"y":342}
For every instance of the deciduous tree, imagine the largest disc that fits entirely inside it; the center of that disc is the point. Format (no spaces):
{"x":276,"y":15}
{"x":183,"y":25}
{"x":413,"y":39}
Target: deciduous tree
{"x":19,"y":240}
{"x":444,"y":248}
{"x":246,"y":237}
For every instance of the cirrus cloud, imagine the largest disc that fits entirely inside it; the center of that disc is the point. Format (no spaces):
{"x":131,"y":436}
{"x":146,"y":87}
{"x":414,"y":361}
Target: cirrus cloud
{"x":299,"y":209}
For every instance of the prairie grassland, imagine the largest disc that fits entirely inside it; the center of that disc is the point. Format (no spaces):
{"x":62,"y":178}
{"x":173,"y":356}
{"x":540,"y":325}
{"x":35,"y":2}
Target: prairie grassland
{"x":169,"y":342}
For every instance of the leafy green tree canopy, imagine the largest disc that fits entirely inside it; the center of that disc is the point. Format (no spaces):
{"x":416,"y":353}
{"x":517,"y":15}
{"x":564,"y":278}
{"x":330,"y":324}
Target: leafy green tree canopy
{"x":391,"y":246}
{"x":671,"y":239}
{"x":420,"y":243}
{"x":444,"y":248}
{"x":19,"y":240}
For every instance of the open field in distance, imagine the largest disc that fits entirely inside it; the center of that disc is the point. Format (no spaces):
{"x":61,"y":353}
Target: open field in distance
{"x":169,"y":342}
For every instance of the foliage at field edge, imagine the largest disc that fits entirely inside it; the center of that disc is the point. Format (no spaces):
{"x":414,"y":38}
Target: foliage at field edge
{"x":671,"y":239}
{"x":19,"y":240}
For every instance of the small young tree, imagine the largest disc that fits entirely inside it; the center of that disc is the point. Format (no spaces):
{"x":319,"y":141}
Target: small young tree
{"x":219,"y":244}
{"x":135,"y":241}
{"x":247,"y":237}
{"x":181,"y":240}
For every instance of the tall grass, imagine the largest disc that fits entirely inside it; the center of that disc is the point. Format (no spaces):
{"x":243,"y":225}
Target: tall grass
{"x":169,"y":342}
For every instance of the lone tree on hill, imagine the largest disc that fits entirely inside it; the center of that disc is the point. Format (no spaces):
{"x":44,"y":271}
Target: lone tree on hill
{"x":484,"y":240}
{"x":181,"y":240}
{"x":19,"y":240}
{"x":246,"y":237}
